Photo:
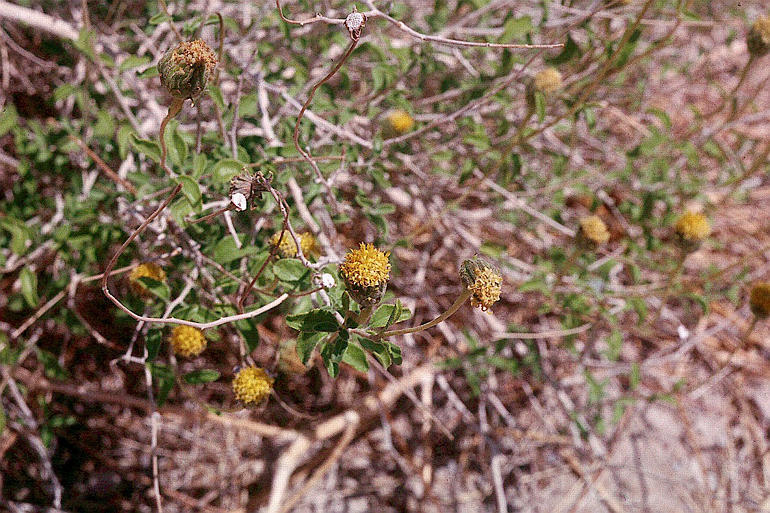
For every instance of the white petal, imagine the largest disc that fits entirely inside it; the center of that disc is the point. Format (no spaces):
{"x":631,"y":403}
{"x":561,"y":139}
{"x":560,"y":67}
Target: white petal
{"x":239,"y":200}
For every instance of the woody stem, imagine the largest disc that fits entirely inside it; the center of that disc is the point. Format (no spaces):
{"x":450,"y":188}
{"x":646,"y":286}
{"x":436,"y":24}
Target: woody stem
{"x":441,"y":318}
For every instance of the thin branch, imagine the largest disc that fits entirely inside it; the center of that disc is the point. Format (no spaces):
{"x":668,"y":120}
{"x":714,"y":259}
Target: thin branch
{"x":302,"y":152}
{"x":376,"y":13}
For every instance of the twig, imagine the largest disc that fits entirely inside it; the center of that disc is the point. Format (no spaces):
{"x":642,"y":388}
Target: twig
{"x":38,"y":20}
{"x":112,"y":175}
{"x":543,"y":334}
{"x":301,"y":150}
{"x":376,"y":13}
{"x":34,"y":439}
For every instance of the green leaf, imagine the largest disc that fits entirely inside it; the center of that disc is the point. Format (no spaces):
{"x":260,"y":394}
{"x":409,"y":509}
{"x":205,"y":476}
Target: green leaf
{"x":289,"y":269}
{"x":51,"y":365}
{"x":516,"y":29}
{"x":201,"y":376}
{"x":157,"y":288}
{"x":216,"y":95}
{"x":355,"y":357}
{"x":191,"y":191}
{"x":570,"y":51}
{"x":177,"y":148}
{"x":20,"y":234}
{"x":84,"y":43}
{"x":153,"y":342}
{"x":306,"y":342}
{"x":150,"y":72}
{"x":635,"y":377}
{"x":64,"y":91}
{"x":165,"y":378}
{"x":28,"y":281}
{"x":333,"y":351}
{"x":147,"y":147}
{"x":248,"y":328}
{"x":2,"y":419}
{"x":387,"y":315}
{"x":615,"y":343}
{"x":226,"y":251}
{"x":158,"y":19}
{"x":225,"y":169}
{"x":318,"y":320}
{"x":540,"y":105}
{"x":134,"y":61}
{"x":8,"y":119}
{"x":395,"y":352}
{"x":124,"y":140}
{"x":379,"y":349}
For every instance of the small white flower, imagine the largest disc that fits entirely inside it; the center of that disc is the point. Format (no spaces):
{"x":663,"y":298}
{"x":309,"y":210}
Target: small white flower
{"x":683,"y":332}
{"x":355,"y":23}
{"x":327,"y":280}
{"x":239,"y":200}
{"x":354,"y":20}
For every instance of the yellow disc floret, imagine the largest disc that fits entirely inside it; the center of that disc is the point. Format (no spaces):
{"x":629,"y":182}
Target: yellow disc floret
{"x":366,"y":266}
{"x":594,"y":229}
{"x":548,"y":80}
{"x":252,"y":384}
{"x":288,"y":248}
{"x":400,"y":121}
{"x":483,"y":281}
{"x":759,"y":300}
{"x":693,"y":227}
{"x":145,"y":270}
{"x":187,"y":341}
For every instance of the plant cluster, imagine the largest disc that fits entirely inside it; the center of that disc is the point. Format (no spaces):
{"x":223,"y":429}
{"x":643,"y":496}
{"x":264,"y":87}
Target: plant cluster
{"x":258,"y":226}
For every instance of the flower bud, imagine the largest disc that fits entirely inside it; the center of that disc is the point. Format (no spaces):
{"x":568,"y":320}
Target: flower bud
{"x":759,"y":300}
{"x":758,"y":39}
{"x":185,"y":69}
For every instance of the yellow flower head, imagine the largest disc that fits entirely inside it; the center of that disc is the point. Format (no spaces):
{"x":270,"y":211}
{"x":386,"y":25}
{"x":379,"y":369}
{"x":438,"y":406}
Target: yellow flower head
{"x":187,"y":341}
{"x":366,"y":266}
{"x":759,"y":300}
{"x":145,"y":270}
{"x":483,"y":281}
{"x":288,"y":249}
{"x":758,"y":39}
{"x":594,"y":229}
{"x":693,"y":227}
{"x":252,"y":384}
{"x":366,"y":271}
{"x":548,"y":80}
{"x":400,"y":121}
